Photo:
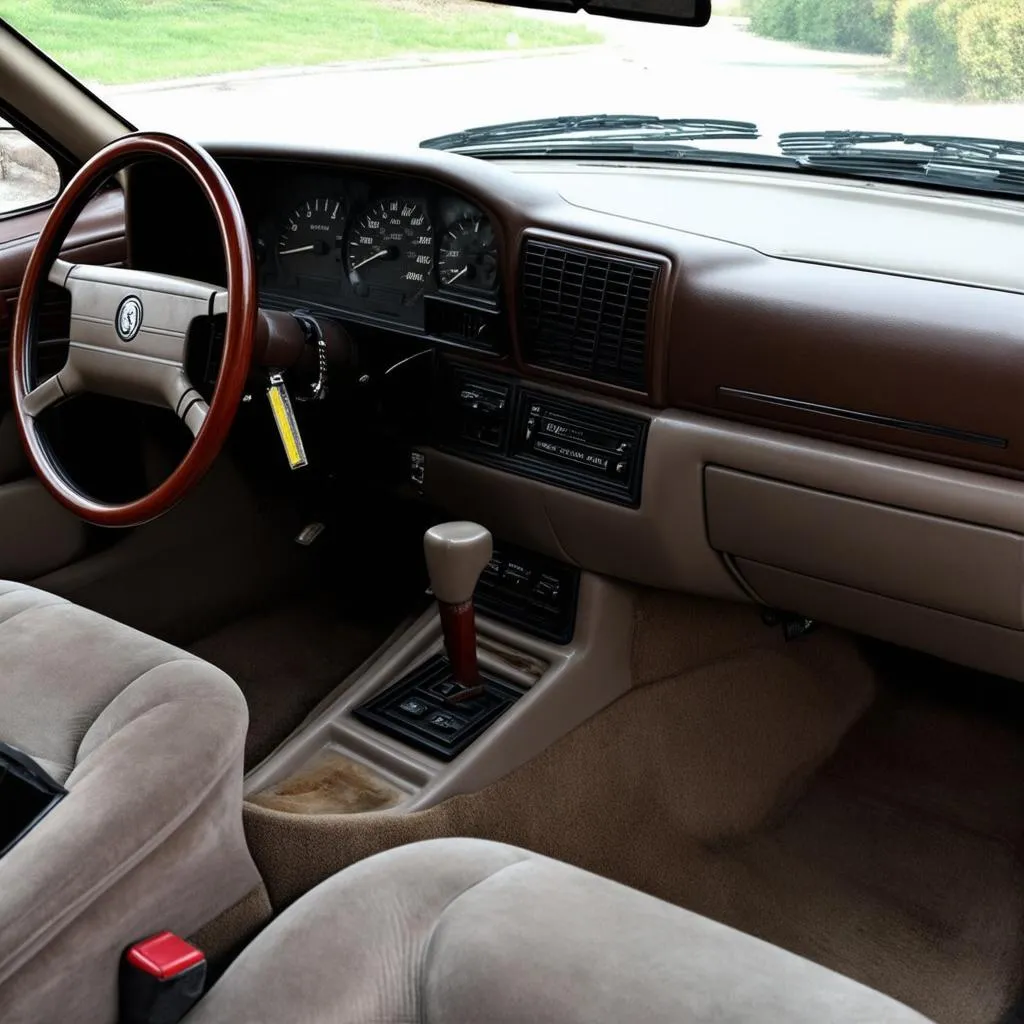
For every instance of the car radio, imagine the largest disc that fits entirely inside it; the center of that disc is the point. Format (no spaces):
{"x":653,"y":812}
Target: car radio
{"x":582,"y":446}
{"x":560,"y":441}
{"x":560,"y":435}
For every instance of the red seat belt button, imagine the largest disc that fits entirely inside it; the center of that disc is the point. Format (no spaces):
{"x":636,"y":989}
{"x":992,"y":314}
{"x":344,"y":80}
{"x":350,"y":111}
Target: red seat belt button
{"x":162,"y":978}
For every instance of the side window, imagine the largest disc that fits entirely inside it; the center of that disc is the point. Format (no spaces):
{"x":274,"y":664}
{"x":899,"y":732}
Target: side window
{"x":28,"y":174}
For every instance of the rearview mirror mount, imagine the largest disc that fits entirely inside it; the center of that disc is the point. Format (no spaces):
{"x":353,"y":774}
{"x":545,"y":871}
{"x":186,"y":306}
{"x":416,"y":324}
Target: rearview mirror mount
{"x":696,"y":13}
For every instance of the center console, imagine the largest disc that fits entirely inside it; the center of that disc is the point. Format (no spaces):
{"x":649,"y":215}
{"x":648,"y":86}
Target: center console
{"x":478,"y":684}
{"x":520,"y":647}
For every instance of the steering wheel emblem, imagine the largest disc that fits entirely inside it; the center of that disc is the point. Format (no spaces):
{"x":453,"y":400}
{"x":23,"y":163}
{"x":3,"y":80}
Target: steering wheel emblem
{"x":129,"y":318}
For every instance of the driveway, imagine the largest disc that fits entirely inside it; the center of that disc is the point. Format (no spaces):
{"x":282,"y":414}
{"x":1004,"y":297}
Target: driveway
{"x":720,"y":71}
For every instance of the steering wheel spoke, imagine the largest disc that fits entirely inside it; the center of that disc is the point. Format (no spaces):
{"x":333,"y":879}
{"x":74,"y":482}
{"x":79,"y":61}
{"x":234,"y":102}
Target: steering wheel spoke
{"x":129,"y":332}
{"x":51,"y":391}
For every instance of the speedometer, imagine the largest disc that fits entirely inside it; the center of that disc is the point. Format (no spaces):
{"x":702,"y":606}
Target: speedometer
{"x":391,"y":248}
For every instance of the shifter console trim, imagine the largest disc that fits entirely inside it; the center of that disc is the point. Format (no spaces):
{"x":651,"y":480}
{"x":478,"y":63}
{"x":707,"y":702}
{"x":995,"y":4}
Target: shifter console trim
{"x":419,"y":711}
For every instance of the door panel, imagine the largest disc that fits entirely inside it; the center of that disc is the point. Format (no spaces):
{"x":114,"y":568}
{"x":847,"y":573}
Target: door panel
{"x":37,"y":535}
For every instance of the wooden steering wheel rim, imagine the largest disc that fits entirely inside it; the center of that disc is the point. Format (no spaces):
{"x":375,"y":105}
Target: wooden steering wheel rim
{"x":238,"y":338}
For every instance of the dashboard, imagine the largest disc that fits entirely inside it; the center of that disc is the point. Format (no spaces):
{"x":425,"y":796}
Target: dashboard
{"x":743,"y":384}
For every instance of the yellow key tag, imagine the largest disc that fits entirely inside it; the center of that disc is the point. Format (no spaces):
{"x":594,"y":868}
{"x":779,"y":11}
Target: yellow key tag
{"x":284,"y":418}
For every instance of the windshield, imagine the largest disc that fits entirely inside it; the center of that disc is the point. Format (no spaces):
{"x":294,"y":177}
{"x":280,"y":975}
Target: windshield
{"x":394,"y":73}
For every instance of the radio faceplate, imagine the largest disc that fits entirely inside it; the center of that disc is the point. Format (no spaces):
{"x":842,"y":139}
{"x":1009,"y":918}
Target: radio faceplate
{"x":580,"y":446}
{"x":586,"y":448}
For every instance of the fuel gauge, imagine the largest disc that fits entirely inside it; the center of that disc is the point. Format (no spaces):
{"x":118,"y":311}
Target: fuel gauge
{"x":469,"y":255}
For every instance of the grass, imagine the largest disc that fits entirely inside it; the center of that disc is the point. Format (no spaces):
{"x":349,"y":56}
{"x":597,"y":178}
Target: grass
{"x":118,"y":41}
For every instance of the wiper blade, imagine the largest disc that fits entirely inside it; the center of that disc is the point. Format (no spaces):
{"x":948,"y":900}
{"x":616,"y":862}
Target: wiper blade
{"x":604,"y":127}
{"x":842,"y":143}
{"x":995,"y":164}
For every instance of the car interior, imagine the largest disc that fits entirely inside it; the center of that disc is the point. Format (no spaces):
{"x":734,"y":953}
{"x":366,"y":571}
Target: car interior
{"x":576,"y":590}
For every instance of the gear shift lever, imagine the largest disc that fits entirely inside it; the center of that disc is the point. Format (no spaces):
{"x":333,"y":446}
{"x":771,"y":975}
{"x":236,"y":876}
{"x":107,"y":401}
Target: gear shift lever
{"x":457,"y":553}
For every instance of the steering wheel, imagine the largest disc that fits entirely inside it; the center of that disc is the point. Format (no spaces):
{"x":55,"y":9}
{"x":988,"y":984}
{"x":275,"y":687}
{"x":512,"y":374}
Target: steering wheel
{"x":129,"y":330}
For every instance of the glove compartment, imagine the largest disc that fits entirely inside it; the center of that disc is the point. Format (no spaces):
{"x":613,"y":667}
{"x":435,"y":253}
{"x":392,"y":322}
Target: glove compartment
{"x":943,"y":564}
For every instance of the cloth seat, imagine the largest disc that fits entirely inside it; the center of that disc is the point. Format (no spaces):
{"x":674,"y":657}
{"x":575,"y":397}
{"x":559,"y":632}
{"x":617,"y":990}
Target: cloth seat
{"x":463,"y":931}
{"x":148,"y":741}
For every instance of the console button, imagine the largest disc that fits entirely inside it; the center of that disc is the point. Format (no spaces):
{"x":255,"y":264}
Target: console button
{"x":446,"y":721}
{"x":547,"y":588}
{"x":444,"y":688}
{"x":414,"y":708}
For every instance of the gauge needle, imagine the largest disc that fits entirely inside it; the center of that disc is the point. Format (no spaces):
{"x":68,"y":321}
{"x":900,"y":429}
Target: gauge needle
{"x":301,"y":248}
{"x":452,"y":280}
{"x":370,"y":259}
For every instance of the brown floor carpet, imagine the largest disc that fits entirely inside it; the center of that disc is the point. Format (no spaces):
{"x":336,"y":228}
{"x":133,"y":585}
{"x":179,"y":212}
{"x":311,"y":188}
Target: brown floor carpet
{"x":288,"y":659}
{"x":717,"y":784}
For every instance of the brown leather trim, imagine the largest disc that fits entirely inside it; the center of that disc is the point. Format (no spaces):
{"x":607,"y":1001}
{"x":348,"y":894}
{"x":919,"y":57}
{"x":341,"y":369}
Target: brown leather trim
{"x":856,"y":416}
{"x":516,"y":205}
{"x":893,"y":348}
{"x":97,"y":236}
{"x":896,"y":363}
{"x":239,"y":330}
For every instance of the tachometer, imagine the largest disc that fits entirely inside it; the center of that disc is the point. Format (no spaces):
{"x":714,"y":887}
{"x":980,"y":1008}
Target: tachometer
{"x":391,"y":247}
{"x":469,"y":255}
{"x":312,"y":231}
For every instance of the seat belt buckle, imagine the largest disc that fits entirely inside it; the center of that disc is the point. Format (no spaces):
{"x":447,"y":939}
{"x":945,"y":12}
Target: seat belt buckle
{"x":161,"y":979}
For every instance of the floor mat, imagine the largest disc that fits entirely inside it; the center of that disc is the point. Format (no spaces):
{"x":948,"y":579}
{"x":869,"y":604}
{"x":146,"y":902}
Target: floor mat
{"x":287,"y":660}
{"x":893,"y":861}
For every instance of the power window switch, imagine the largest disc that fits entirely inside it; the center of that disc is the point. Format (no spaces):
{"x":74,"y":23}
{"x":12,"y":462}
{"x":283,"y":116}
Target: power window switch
{"x":445,"y":721}
{"x":413,"y":707}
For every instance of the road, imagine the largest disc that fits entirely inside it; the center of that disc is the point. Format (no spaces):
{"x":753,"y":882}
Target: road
{"x":720,"y":71}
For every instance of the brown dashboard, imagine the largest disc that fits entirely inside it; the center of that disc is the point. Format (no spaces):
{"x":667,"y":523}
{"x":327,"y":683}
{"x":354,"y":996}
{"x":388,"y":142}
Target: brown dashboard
{"x":886,"y":360}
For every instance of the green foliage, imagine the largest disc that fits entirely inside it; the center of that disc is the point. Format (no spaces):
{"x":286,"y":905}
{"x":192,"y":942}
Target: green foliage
{"x":925,"y":40}
{"x":863,"y":26}
{"x":964,"y":49}
{"x":969,"y":49}
{"x":114,"y":41}
{"x":991,"y":50}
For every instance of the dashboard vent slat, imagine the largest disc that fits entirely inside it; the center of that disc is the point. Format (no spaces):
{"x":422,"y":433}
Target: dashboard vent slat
{"x":586,"y":313}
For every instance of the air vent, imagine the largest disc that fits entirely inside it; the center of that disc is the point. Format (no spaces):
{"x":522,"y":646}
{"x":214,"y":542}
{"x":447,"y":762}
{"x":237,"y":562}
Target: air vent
{"x":586,"y":313}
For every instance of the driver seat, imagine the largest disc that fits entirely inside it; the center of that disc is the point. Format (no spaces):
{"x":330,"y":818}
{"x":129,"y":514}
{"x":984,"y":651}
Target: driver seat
{"x":148,"y":742}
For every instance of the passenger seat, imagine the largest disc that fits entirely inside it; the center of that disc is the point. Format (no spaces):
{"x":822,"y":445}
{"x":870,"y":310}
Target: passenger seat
{"x":462,"y":931}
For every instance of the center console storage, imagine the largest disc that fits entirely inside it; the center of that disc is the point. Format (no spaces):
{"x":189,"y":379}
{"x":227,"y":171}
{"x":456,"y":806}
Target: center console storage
{"x":499,"y":422}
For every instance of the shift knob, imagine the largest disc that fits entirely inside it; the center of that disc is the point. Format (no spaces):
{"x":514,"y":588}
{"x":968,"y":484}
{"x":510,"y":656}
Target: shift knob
{"x":457,"y":553}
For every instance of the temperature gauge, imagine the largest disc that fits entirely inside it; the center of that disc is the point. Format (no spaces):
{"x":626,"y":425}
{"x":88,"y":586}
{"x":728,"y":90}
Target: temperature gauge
{"x":469,"y":255}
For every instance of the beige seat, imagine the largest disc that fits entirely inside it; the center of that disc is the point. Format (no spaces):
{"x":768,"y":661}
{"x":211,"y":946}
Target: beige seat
{"x":462,"y":931}
{"x":148,"y":742}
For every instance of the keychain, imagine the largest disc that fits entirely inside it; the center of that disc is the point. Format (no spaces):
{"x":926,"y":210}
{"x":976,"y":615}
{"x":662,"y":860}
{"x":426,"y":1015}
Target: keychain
{"x":284,"y":418}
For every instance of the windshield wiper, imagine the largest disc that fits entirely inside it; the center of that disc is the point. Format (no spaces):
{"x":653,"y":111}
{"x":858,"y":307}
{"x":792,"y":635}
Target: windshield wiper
{"x":604,"y":129}
{"x":961,"y":160}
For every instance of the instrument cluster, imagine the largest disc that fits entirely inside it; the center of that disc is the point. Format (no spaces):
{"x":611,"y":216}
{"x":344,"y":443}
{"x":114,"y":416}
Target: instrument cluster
{"x":377,"y":248}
